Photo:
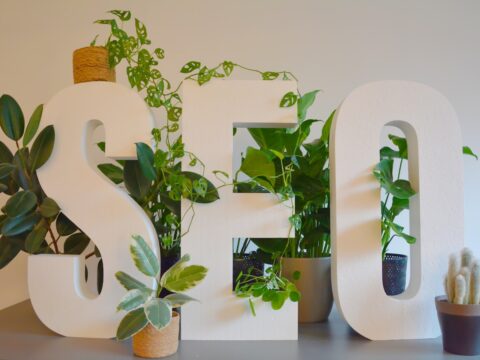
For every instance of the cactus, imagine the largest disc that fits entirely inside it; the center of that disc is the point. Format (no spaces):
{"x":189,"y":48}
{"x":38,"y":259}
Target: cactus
{"x":462,"y":281}
{"x":475,"y":284}
{"x":460,"y":289}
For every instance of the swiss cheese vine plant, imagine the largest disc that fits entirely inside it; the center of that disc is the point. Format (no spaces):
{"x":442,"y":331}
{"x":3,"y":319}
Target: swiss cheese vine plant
{"x":145,"y":305}
{"x":30,"y":221}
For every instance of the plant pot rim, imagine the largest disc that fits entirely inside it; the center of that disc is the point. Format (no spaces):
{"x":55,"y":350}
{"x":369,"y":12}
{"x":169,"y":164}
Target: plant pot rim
{"x":90,"y":47}
{"x":319,"y":258}
{"x":443,"y":306}
{"x":403,"y":256}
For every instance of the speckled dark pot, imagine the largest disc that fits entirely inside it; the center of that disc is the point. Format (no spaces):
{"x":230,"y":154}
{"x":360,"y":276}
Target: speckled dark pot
{"x":394,"y":273}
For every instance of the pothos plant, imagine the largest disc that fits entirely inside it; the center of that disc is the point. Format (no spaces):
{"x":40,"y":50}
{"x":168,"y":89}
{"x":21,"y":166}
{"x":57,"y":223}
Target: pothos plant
{"x":144,"y":305}
{"x":397,"y":191}
{"x":29,"y":217}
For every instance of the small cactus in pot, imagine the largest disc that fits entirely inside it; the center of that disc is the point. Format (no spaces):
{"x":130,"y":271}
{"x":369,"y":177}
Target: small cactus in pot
{"x":459,"y":310}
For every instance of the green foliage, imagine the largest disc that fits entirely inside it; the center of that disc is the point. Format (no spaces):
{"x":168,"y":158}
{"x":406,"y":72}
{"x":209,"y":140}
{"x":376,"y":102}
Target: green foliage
{"x":271,"y":288}
{"x":29,"y":214}
{"x":144,"y":305}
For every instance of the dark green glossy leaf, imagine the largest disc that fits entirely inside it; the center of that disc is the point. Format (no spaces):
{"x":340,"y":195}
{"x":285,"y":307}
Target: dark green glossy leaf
{"x":20,"y":224}
{"x":304,"y":104}
{"x":35,"y":240}
{"x":259,"y":166}
{"x":42,"y":147}
{"x":401,"y":144}
{"x":49,"y":208}
{"x":6,"y":155}
{"x":21,"y":203}
{"x":6,"y":169}
{"x":113,"y":172}
{"x":211,"y":192}
{"x":76,"y":244}
{"x":64,"y":226}
{"x":33,"y":125}
{"x":12,"y":121}
{"x":8,"y":251}
{"x":135,"y":181}
{"x":145,"y":158}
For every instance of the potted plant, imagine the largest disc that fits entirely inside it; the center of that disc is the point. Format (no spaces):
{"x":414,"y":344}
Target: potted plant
{"x":150,"y":318}
{"x":396,"y":196}
{"x":29,"y":218}
{"x":459,"y":309}
{"x":300,"y":171}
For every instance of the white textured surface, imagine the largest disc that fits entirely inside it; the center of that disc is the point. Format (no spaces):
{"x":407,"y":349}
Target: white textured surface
{"x":209,"y":115}
{"x":436,"y":173}
{"x":103,"y":211}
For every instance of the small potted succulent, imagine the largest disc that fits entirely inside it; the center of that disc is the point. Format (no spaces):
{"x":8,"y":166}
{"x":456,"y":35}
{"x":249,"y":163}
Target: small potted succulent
{"x":459,"y":310}
{"x":150,"y":319}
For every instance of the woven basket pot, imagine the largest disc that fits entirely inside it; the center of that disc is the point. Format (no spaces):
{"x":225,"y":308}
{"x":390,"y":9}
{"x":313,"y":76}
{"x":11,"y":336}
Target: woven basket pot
{"x":394,"y":273}
{"x":153,"y":343}
{"x":460,"y":326}
{"x":91,"y":64}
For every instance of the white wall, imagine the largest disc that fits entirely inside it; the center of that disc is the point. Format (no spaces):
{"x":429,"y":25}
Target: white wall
{"x":332,"y":45}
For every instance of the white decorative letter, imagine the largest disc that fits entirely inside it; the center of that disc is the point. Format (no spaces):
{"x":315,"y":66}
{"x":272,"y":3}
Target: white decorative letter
{"x":103,"y":211}
{"x":209,"y":114}
{"x":436,"y":173}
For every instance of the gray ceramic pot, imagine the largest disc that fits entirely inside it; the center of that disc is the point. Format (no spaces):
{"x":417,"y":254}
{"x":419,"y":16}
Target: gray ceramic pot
{"x":460,"y":326}
{"x":314,"y":284}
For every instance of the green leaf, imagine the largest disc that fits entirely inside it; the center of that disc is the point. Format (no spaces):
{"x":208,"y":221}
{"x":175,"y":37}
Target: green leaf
{"x":227,"y":67}
{"x":327,"y":127}
{"x":183,"y":278}
{"x":211,"y":192}
{"x":400,"y":189}
{"x":158,"y":312}
{"x":64,"y":226}
{"x":304,"y":104}
{"x":177,"y":300}
{"x":259,"y":166}
{"x":35,"y":240}
{"x":76,"y":244}
{"x":6,"y":169}
{"x":42,"y":147}
{"x":174,"y":113}
{"x":296,"y":275}
{"x":11,"y":117}
{"x":135,"y":181}
{"x":468,"y":151}
{"x":8,"y":251}
{"x":123,"y":15}
{"x":20,"y":224}
{"x":6,"y":155}
{"x":190,"y":66}
{"x":130,"y":283}
{"x":252,"y":306}
{"x":160,"y":53}
{"x":289,"y":99}
{"x":145,"y":158}
{"x":131,"y":324}
{"x":113,"y":172}
{"x":33,"y":125}
{"x":141,"y":32}
{"x":401,"y":144}
{"x":271,"y":245}
{"x":270,"y":75}
{"x":279,"y":299}
{"x":388,"y":153}
{"x":294,"y":296}
{"x":144,"y":258}
{"x":132,"y":300}
{"x":383,"y":170}
{"x":49,"y":208}
{"x":21,"y":203}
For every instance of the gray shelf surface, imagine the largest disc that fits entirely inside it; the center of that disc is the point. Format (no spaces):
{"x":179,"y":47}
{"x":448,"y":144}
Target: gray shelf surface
{"x":24,"y":337}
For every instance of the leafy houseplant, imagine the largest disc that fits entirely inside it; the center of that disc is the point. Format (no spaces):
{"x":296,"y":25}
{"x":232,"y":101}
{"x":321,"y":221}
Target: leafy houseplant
{"x":286,"y":165}
{"x":150,"y":319}
{"x":397,"y":194}
{"x":29,"y":215}
{"x":244,"y":260}
{"x":459,"y":310}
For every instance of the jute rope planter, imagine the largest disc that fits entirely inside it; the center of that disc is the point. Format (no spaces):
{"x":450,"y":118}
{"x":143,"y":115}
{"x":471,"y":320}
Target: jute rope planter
{"x":152,"y":343}
{"x":91,"y":64}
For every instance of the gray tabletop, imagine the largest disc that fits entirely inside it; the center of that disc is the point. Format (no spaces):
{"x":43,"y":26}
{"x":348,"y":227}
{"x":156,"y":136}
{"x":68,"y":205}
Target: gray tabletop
{"x":23,"y":336}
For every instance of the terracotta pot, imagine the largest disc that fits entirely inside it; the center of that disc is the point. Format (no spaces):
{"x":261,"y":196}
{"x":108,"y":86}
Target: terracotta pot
{"x":460,"y":326}
{"x":91,"y":64}
{"x":152,"y":343}
{"x":314,"y":284}
{"x":394,"y":273}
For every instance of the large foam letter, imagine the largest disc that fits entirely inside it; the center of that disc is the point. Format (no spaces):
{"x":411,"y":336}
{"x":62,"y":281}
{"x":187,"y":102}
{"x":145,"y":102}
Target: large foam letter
{"x":103,"y":211}
{"x":435,"y":170}
{"x":209,"y":114}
